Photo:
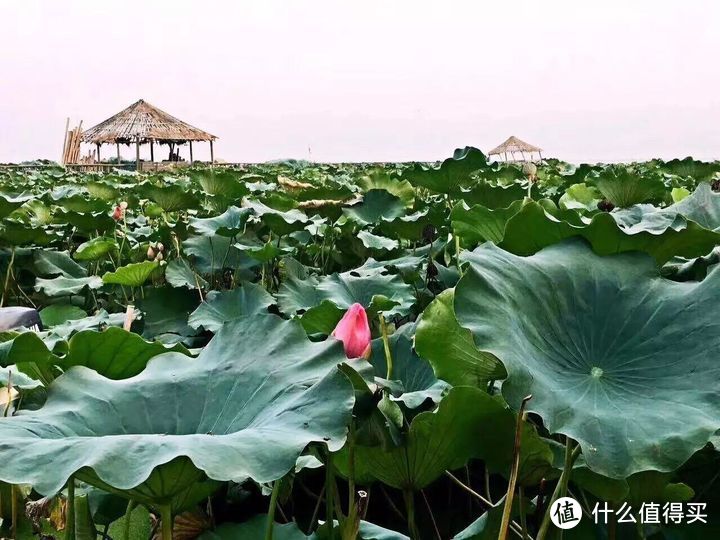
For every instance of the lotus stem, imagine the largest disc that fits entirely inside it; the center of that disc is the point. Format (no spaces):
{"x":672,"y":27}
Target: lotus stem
{"x":166,"y":520}
{"x":409,"y":497}
{"x":271,"y":510}
{"x":351,"y":465}
{"x":128,"y":519}
{"x":487,"y":485}
{"x":386,"y":346}
{"x":507,"y":510}
{"x":561,"y":487}
{"x":70,"y":510}
{"x":457,"y":252}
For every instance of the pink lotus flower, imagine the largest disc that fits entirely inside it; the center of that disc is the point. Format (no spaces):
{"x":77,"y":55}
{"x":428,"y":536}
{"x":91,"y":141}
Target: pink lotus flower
{"x":354,"y":331}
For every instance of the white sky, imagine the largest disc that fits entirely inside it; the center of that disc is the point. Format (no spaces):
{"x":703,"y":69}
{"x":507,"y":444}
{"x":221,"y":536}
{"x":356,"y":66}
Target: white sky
{"x":370,"y":80}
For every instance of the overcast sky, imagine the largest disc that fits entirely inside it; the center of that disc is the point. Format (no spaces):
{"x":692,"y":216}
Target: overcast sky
{"x":371,"y":80}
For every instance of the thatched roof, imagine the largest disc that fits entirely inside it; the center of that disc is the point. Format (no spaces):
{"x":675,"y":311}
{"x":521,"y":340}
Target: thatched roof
{"x":513,"y":144}
{"x":144,"y":122}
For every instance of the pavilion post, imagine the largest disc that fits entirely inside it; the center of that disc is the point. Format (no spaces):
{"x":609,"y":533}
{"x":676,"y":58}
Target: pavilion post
{"x":212,"y":154}
{"x":117,"y":144}
{"x":191,"y":156}
{"x":152,"y":150}
{"x":137,"y":153}
{"x":98,"y":152}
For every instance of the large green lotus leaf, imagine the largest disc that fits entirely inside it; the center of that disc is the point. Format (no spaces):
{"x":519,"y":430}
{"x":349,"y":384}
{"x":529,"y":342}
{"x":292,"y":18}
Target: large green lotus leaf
{"x":102,"y":190}
{"x":179,"y":273}
{"x":624,"y":187}
{"x":229,"y":223}
{"x":28,"y":353}
{"x":169,"y":197}
{"x":14,"y":233}
{"x":56,"y":314}
{"x":700,"y":171}
{"x":64,"y":286}
{"x":419,"y":383}
{"x":533,"y":228}
{"x":580,"y":197}
{"x":56,"y":263}
{"x":279,"y":221}
{"x":491,"y":195}
{"x":8,"y":203}
{"x":95,"y":249}
{"x":213,"y":253}
{"x":377,"y":243}
{"x":410,"y":226}
{"x":450,"y":349}
{"x":257,"y":395}
{"x":343,"y":290}
{"x":379,"y":179}
{"x":37,"y":213}
{"x":480,"y":224}
{"x":114,"y":353}
{"x":452,"y":174}
{"x":322,"y":319}
{"x":615,"y":356}
{"x":221,"y":307}
{"x":377,"y":206}
{"x":220,"y":183}
{"x":133,"y":274}
{"x":409,"y":266}
{"x":82,"y":204}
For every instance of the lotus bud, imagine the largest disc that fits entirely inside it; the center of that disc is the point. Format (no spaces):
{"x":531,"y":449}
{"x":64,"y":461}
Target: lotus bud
{"x":123,"y":205}
{"x":117,"y":213}
{"x":160,"y":247}
{"x":354,"y":331}
{"x":159,"y":257}
{"x":150,"y":253}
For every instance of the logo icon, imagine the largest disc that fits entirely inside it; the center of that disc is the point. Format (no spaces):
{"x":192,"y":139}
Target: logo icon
{"x":565,"y":513}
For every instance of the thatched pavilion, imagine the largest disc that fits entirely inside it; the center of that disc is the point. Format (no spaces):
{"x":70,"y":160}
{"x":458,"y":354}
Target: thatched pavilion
{"x":514,"y":145}
{"x":142,"y":123}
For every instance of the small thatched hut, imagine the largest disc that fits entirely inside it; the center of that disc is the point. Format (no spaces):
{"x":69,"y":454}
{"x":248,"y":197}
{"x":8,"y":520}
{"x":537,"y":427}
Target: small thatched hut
{"x":142,"y":123}
{"x":514,"y":145}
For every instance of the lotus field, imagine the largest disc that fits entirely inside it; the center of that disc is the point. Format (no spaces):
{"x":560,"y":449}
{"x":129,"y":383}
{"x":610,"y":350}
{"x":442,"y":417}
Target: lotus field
{"x":427,"y":351}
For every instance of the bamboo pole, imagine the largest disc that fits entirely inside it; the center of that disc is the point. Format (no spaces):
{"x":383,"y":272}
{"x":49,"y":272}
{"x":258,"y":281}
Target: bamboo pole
{"x":67,"y":126}
{"x":191,"y":156}
{"x":152,"y":150}
{"x":212,"y":154}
